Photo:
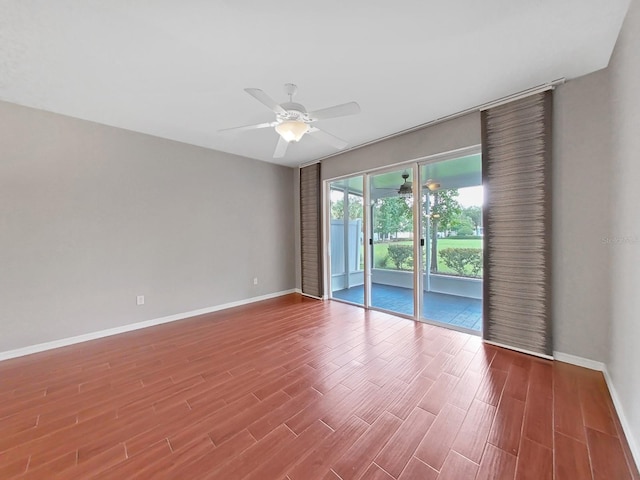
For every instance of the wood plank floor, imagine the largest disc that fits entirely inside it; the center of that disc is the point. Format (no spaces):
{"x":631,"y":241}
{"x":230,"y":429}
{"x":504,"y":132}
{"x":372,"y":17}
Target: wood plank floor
{"x":298,"y":389}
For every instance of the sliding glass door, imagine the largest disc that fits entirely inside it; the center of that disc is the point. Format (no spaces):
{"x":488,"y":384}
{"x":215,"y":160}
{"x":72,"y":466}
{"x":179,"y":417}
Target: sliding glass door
{"x":347,"y":239}
{"x":410,"y":241}
{"x":451,"y":209}
{"x":392,"y":247}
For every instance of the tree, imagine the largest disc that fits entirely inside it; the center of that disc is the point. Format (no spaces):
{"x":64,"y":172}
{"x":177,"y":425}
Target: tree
{"x":462,"y":225}
{"x":392,"y":215}
{"x":444,"y":207}
{"x":355,"y":208}
{"x":475,"y":215}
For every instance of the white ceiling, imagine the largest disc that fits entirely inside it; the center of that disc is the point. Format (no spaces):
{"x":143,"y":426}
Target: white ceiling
{"x":177,"y":69}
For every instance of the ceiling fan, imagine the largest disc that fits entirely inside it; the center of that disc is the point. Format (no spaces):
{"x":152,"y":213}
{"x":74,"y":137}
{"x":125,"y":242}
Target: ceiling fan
{"x":293,"y":121}
{"x":405,"y":188}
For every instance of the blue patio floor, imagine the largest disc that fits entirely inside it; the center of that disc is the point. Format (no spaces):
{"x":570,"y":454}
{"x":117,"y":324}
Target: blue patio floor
{"x":450,"y":309}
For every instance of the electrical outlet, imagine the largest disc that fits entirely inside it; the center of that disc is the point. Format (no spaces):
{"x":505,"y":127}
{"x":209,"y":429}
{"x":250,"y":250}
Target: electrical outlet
{"x":140,"y":300}
{"x":255,"y":280}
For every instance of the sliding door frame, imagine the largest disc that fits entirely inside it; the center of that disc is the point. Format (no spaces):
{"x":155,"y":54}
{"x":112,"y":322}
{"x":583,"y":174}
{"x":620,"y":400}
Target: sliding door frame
{"x":413,"y":166}
{"x":441,"y":157}
{"x":419,"y":266}
{"x":326,"y":236}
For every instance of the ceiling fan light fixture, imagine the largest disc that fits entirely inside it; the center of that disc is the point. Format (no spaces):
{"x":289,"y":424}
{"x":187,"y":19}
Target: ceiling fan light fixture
{"x":432,"y":185}
{"x":292,"y":130}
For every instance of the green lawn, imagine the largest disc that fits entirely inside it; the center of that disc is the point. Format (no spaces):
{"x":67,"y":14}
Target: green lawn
{"x":380,"y":251}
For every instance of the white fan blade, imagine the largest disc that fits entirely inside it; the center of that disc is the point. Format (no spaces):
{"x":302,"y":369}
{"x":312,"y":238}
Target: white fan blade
{"x":250,"y":127}
{"x":327,"y":138}
{"x":281,"y":148}
{"x":342,"y":110}
{"x":265,"y":100}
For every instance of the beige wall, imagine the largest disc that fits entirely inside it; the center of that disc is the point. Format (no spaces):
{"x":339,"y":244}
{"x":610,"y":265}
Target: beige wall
{"x":624,"y":246}
{"x":581,"y":204}
{"x":91,"y":216}
{"x":454,"y":134}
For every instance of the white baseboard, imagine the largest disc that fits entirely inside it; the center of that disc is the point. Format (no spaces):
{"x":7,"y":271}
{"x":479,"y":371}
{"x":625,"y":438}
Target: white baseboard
{"x":626,"y":428}
{"x":579,"y":361}
{"x":41,"y":347}
{"x":515,"y":349}
{"x":617,"y":404}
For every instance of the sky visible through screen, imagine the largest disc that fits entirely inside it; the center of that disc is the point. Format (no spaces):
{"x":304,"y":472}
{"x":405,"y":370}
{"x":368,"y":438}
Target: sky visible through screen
{"x":470,"y":196}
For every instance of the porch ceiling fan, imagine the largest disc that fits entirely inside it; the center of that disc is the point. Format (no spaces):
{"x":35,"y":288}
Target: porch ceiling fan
{"x":293,"y":120}
{"x":405,"y":188}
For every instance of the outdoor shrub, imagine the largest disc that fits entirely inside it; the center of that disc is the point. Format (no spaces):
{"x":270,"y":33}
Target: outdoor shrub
{"x":381,"y":262}
{"x":399,"y":254}
{"x":465,"y":231}
{"x":461,"y":259}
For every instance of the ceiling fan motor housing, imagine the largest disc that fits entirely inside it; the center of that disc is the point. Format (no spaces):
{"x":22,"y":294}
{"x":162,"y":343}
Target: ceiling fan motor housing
{"x":294,"y":111}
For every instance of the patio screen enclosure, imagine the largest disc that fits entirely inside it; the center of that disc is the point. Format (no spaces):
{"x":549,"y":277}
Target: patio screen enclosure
{"x":409,"y":241}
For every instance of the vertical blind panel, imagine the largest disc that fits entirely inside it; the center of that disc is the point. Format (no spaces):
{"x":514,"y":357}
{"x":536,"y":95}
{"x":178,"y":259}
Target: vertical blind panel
{"x":310,"y":230}
{"x":516,"y":176}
